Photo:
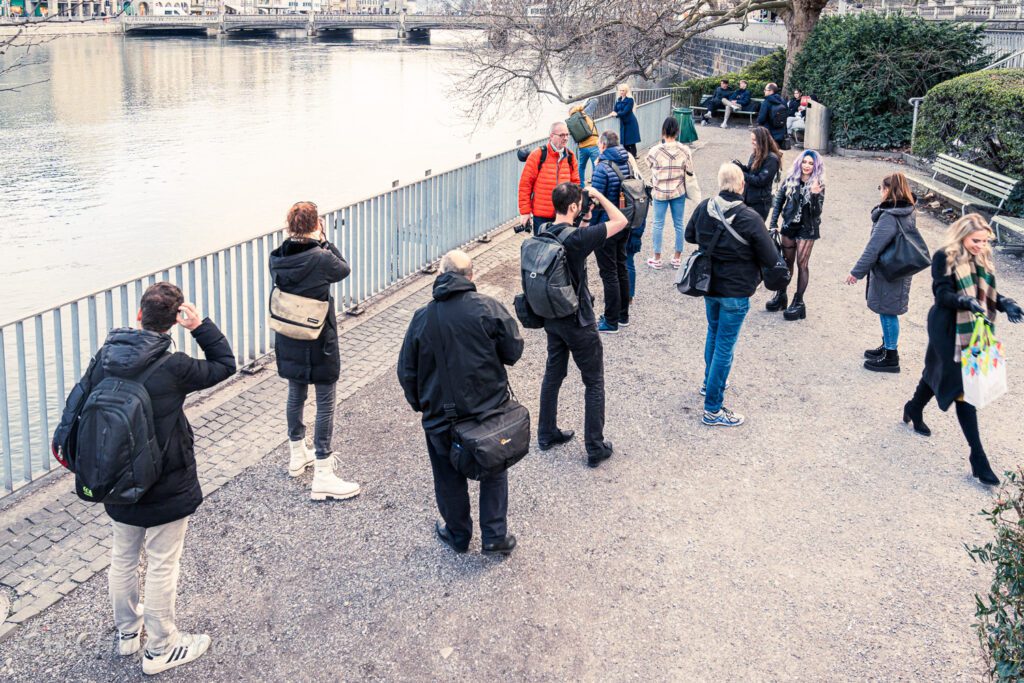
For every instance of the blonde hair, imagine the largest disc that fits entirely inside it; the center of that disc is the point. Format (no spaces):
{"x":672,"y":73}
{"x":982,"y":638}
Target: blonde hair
{"x":730,"y":177}
{"x":629,"y":91}
{"x":956,"y":253}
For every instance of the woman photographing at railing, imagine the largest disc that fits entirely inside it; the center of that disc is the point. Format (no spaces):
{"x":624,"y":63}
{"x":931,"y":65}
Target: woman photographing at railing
{"x":305,"y":266}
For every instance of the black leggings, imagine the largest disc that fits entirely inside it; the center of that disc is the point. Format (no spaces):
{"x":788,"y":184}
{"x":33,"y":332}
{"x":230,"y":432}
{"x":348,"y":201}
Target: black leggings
{"x":631,"y":149}
{"x":966,"y":415}
{"x":799,"y":252}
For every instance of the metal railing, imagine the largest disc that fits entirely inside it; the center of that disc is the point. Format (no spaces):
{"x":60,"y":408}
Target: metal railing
{"x":386,"y":238}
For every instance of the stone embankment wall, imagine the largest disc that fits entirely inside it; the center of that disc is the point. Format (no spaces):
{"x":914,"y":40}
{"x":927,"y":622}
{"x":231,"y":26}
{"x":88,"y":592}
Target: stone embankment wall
{"x":63,"y":28}
{"x":713,"y":55}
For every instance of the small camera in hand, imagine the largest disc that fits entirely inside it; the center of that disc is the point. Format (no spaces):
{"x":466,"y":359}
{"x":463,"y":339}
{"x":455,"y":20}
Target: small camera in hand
{"x":523,"y":227}
{"x":585,"y":206}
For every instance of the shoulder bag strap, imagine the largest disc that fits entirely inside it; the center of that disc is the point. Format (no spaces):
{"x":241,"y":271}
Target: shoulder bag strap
{"x":436,"y":342}
{"x":735,"y":234}
{"x":153,"y":367}
{"x":714,"y":241}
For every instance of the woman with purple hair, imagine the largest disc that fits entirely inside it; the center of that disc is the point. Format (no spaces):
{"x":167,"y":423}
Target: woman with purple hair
{"x":798,"y":202}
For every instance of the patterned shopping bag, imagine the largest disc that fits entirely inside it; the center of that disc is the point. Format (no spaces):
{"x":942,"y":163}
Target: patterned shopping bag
{"x":983,"y":365}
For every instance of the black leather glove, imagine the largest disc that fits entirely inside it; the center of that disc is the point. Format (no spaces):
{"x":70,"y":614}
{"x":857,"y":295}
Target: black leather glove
{"x":969,"y":303}
{"x":1013,"y":310}
{"x":743,"y":167}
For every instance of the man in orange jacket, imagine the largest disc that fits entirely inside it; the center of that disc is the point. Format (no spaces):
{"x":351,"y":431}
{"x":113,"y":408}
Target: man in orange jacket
{"x":545,"y":168}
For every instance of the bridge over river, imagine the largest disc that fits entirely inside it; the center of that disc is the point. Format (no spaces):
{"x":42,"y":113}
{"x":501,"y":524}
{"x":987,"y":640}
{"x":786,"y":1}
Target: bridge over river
{"x":403,"y":24}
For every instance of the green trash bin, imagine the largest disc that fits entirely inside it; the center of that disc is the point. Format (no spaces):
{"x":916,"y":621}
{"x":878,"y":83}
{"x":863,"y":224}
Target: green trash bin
{"x":687,"y":131}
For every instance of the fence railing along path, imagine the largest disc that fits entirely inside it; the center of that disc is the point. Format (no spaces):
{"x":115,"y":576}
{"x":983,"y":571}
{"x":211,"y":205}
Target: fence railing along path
{"x":386,"y":238}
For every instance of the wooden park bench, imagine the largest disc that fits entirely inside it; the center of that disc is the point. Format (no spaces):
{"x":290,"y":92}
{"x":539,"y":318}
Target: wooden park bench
{"x":968,"y":182}
{"x":750,"y":111}
{"x":1011,"y":223}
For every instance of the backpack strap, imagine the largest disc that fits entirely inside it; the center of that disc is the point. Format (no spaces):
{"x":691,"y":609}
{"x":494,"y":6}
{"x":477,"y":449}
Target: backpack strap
{"x":543,"y":157}
{"x":618,"y":171}
{"x":436,"y":342}
{"x":144,"y":376}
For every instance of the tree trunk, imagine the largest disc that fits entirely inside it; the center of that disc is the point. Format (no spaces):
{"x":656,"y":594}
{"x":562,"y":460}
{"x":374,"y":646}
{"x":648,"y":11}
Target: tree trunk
{"x":799,"y":21}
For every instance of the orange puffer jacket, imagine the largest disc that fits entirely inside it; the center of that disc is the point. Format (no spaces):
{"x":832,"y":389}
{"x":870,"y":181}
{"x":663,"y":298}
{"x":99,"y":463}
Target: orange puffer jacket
{"x":536,"y":184}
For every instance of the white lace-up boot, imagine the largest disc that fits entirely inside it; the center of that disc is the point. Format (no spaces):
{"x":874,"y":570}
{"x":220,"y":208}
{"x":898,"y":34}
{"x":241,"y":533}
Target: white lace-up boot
{"x":326,"y":484}
{"x":301,"y":458}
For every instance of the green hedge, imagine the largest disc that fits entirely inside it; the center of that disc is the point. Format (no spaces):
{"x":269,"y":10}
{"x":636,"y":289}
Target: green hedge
{"x":961,"y":116}
{"x":767,"y":69}
{"x":865,"y":67}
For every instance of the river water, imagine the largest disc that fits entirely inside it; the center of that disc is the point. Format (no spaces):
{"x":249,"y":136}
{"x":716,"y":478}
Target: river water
{"x":141,"y":152}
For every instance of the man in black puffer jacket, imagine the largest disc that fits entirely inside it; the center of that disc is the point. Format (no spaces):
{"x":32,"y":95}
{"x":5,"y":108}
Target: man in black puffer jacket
{"x":479,"y":338}
{"x":736,"y":260}
{"x":159,"y":519}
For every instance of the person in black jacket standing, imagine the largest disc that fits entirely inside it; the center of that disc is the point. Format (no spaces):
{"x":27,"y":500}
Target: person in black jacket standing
{"x":743,"y":246}
{"x":478,"y":338}
{"x":766,"y":114}
{"x":964,"y":285}
{"x":306,"y":264}
{"x":159,"y":519}
{"x":760,"y":172}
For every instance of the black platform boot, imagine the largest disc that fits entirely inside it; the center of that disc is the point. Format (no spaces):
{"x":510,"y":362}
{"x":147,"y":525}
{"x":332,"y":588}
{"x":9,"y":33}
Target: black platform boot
{"x":875,"y":353}
{"x":797,"y":310}
{"x":889,"y":361}
{"x":777,"y":302}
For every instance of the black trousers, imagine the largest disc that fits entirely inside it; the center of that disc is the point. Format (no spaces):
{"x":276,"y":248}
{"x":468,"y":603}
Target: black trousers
{"x":565,"y":337}
{"x":631,"y":149}
{"x":452,"y":493}
{"x":611,"y":265}
{"x":763,"y":208}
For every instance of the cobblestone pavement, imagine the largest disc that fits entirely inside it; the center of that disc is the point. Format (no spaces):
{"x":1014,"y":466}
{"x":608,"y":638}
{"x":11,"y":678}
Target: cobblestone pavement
{"x":821,"y":541}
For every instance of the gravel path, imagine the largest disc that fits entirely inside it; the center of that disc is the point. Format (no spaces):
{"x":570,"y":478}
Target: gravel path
{"x":822,"y":541}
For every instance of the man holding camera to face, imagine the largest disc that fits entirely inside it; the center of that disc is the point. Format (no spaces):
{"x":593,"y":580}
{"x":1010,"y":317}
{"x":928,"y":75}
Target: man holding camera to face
{"x":577,"y":334}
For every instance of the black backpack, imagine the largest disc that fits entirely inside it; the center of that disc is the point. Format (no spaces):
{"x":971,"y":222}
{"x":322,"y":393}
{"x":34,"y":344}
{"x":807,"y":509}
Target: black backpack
{"x":778,"y":115}
{"x":633,"y":198}
{"x":547,"y":282}
{"x":113,"y":448}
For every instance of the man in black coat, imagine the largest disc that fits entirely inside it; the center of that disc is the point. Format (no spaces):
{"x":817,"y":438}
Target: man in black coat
{"x":477,"y":338}
{"x":765,"y":115}
{"x":159,"y":519}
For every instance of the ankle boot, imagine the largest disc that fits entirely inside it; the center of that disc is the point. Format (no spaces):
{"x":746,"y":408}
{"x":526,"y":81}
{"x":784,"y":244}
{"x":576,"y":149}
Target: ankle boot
{"x":875,"y":353}
{"x":326,"y":484}
{"x":777,"y":302}
{"x":982,"y":470}
{"x":301,"y":457}
{"x":912,"y":413}
{"x":796,"y":311}
{"x":889,"y":361}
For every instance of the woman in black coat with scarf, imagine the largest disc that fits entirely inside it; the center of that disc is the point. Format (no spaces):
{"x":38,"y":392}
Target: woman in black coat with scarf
{"x":964,"y":284}
{"x":306,"y":265}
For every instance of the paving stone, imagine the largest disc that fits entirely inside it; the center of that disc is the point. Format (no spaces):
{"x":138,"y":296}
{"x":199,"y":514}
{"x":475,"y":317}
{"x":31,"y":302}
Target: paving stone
{"x":82,"y":575}
{"x":7,"y":629}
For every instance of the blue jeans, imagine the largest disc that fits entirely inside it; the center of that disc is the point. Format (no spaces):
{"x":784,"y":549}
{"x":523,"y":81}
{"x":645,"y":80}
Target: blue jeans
{"x":631,"y":272}
{"x":677,"y":206}
{"x":587,"y":154}
{"x":725,"y":318}
{"x":890,"y":331}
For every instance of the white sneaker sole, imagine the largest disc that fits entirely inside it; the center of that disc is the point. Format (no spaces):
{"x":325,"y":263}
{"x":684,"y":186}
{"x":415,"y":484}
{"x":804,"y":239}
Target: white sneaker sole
{"x":159,"y":667}
{"x":316,"y":495}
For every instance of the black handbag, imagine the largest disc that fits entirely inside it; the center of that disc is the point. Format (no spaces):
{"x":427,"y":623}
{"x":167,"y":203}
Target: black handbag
{"x":527,"y":318}
{"x":694,"y":277}
{"x":486,"y":444}
{"x":776,"y":276}
{"x":906,"y":255}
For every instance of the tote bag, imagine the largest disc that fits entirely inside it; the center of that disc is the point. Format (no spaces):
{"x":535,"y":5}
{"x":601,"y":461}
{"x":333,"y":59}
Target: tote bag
{"x":983,"y":366}
{"x":906,"y":255}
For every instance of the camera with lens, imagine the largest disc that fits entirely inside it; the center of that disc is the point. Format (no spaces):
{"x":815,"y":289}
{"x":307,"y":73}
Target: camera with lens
{"x":586,"y":204}
{"x":525,"y":227}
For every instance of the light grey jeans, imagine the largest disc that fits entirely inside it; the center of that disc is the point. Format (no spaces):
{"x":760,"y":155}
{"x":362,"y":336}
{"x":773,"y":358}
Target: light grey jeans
{"x":164,"y":544}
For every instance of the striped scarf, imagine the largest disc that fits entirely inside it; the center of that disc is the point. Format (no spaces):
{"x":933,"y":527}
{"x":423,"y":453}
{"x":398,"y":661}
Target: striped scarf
{"x":973,"y":280}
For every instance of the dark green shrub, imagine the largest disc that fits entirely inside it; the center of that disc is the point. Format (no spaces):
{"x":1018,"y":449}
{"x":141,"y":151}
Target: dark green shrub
{"x":1000,"y":614}
{"x":865,"y":67}
{"x":961,"y":116}
{"x":767,"y":69}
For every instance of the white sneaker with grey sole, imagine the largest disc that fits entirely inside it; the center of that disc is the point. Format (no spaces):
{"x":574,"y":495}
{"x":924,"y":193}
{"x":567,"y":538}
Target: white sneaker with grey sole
{"x":190,"y":647}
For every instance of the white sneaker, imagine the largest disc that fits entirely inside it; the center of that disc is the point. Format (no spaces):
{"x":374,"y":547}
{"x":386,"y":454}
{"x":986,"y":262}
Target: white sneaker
{"x":190,"y":646}
{"x":654,"y":263}
{"x":301,"y":458}
{"x":326,"y":484}
{"x":724,"y":125}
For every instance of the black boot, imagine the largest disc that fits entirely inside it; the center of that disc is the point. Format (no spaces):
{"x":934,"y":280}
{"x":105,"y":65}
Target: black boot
{"x":912,"y":413}
{"x":796,"y":311}
{"x":875,"y":353}
{"x":889,"y":361}
{"x":982,"y":470}
{"x":777,"y":302}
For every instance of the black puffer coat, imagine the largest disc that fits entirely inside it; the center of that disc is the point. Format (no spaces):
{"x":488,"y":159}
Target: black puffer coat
{"x":479,"y":337}
{"x":308,"y":269}
{"x":757,"y":190}
{"x":127,"y":353}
